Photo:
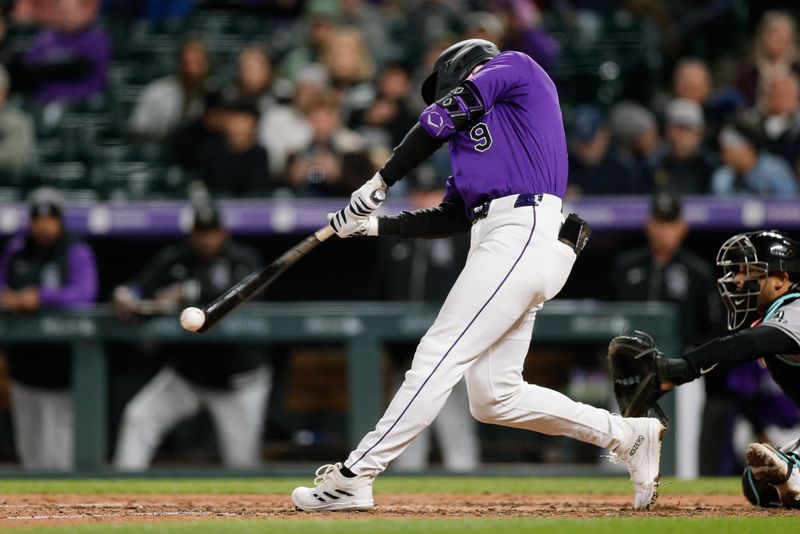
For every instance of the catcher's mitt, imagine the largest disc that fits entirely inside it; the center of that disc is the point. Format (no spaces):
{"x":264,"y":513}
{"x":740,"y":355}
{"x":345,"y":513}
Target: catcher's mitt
{"x":634,"y":370}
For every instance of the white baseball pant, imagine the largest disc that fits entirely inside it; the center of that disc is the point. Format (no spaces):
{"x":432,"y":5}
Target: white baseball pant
{"x":44,"y":435}
{"x":168,"y":398}
{"x":483,"y":332}
{"x":457,"y":436}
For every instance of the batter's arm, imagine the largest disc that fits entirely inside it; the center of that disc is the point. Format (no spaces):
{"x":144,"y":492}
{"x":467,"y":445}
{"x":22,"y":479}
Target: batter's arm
{"x":416,"y":147}
{"x":445,"y":220}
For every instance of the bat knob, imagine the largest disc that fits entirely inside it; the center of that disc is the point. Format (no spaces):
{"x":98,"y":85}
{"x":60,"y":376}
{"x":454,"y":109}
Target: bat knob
{"x":378,"y":196}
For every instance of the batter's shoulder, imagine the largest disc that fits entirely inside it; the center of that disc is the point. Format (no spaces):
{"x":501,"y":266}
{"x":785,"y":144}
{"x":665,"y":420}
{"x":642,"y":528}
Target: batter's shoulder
{"x":513,"y":58}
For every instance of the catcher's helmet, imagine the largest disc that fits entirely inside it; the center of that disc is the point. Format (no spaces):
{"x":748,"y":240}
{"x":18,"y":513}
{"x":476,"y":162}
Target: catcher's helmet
{"x":454,"y":65}
{"x":744,"y":259}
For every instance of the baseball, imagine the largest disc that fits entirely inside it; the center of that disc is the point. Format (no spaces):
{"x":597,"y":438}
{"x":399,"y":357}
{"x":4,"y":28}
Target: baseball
{"x":192,"y":319}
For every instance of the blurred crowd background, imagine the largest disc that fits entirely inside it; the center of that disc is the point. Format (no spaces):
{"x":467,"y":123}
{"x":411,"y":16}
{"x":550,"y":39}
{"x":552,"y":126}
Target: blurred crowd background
{"x":179,"y":98}
{"x":198,"y":100}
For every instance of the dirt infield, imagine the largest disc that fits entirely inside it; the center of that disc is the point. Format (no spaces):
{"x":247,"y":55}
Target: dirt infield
{"x":27,"y":510}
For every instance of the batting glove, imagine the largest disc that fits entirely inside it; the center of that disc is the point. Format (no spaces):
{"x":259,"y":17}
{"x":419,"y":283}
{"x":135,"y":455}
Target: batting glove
{"x":368,"y":197}
{"x":345,"y":224}
{"x":356,"y":218}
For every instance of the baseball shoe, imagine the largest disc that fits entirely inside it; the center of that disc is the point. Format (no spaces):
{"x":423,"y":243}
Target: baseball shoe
{"x":334,"y":492}
{"x":641,"y":452}
{"x":780,"y":469}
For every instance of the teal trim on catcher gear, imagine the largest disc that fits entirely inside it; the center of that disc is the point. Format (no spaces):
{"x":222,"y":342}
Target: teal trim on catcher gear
{"x":778,"y":302}
{"x":774,"y":308}
{"x":759,"y":493}
{"x":783,"y":359}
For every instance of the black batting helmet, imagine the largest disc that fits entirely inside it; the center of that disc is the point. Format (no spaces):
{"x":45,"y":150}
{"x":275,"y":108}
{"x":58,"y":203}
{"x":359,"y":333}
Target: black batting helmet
{"x":749,"y":257}
{"x":454,"y":65}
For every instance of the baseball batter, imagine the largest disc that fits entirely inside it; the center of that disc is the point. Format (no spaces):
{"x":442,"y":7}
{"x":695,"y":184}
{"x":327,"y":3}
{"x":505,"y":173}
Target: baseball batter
{"x":761,"y":280}
{"x":500,"y":114}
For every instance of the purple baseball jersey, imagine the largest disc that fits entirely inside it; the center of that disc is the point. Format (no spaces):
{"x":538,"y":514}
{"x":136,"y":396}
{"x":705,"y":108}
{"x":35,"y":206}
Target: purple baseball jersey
{"x":518,"y":146}
{"x":92,"y":44}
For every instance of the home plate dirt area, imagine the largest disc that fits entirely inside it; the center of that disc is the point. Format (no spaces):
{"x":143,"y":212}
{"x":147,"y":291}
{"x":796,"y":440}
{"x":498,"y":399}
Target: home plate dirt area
{"x":52,"y":509}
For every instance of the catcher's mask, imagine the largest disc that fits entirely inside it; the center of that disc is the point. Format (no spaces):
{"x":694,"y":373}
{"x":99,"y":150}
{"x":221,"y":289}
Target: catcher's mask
{"x":454,"y":65}
{"x":744,"y":260}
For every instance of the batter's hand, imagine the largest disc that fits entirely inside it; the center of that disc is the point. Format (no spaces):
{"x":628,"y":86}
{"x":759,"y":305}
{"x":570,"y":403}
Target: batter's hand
{"x":356,"y":218}
{"x":345,"y":224}
{"x":368,"y":197}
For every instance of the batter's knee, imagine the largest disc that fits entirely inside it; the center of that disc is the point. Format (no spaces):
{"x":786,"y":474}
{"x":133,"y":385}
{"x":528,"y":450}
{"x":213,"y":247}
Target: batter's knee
{"x":481,"y":411}
{"x":487,"y":409}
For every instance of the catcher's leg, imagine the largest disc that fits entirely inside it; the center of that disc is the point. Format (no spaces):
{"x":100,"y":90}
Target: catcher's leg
{"x":759,"y":492}
{"x":777,"y":468}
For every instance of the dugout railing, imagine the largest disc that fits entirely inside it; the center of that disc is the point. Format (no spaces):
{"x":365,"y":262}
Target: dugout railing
{"x":361,"y":327}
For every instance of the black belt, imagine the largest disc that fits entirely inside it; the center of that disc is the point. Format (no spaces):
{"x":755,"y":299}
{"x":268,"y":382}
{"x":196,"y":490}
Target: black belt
{"x":481,"y":210}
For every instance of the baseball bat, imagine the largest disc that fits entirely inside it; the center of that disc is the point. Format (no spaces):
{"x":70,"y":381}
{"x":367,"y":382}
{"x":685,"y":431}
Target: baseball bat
{"x":258,"y":280}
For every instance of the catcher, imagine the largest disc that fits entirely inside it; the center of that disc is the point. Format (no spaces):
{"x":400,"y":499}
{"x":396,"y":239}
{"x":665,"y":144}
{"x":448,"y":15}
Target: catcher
{"x":760,"y":282}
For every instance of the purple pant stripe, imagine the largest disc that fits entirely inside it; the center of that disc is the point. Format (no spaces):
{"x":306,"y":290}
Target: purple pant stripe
{"x":424,"y":382}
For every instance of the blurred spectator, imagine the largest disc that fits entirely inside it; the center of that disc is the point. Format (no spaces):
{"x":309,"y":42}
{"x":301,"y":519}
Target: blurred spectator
{"x":253,"y":82}
{"x":369,"y":20}
{"x":483,"y":25}
{"x":69,"y":60}
{"x":428,"y":22}
{"x":774,"y":53}
{"x":44,"y":268}
{"x":595,"y":167}
{"x":388,"y":118}
{"x":170,"y":13}
{"x":313,"y":35}
{"x":421,"y":270}
{"x":230,"y":381}
{"x":237,"y":166}
{"x":17,"y":142}
{"x":665,"y":271}
{"x":285,"y":129}
{"x":193,"y":139}
{"x":781,"y":118}
{"x":635,"y":129}
{"x":691,"y":79}
{"x":167,"y":101}
{"x":351,"y":68}
{"x":747,"y":167}
{"x":334,"y":160}
{"x":684,"y":165}
{"x":525,"y":32}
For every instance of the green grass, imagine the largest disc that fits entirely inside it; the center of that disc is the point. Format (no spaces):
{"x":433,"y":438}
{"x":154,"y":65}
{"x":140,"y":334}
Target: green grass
{"x":331,"y":523}
{"x":388,"y":484}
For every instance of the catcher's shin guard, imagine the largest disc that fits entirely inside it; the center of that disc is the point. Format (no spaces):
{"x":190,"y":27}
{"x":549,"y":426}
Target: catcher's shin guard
{"x":758,"y":492}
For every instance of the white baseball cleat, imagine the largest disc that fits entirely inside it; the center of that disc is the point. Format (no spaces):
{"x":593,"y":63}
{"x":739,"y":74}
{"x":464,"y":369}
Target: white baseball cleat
{"x":780,"y":469}
{"x":641,"y":452}
{"x":334,"y":492}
